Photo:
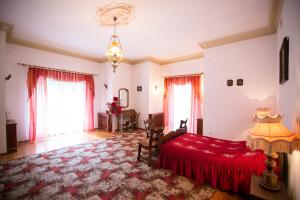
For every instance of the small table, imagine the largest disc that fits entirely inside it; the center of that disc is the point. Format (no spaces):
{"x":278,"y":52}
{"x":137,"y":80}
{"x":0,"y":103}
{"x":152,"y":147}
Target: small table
{"x":11,"y":136}
{"x":257,"y":192}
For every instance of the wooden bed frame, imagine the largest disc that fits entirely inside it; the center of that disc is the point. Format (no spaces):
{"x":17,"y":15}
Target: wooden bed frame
{"x":171,"y":135}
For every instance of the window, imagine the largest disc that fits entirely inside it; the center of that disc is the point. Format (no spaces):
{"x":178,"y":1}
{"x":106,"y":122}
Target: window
{"x":66,"y":107}
{"x":182,"y":100}
{"x":182,"y":104}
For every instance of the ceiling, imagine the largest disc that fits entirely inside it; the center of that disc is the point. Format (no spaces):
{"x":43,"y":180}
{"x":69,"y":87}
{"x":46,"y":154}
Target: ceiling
{"x":162,"y":29}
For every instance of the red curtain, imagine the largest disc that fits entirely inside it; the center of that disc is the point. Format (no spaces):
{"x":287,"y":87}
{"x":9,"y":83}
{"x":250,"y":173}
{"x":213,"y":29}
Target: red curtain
{"x":195,"y":82}
{"x":36,"y":81}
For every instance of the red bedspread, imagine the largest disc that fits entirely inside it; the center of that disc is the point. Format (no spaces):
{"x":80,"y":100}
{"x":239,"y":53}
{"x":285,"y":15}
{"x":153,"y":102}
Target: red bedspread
{"x":223,"y":164}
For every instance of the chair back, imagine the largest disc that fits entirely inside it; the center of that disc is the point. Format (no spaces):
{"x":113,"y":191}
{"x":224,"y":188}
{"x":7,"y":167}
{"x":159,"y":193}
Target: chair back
{"x":135,"y":120}
{"x":137,"y":116}
{"x":158,"y":119}
{"x":148,"y":125}
{"x":183,"y":123}
{"x":155,"y":134}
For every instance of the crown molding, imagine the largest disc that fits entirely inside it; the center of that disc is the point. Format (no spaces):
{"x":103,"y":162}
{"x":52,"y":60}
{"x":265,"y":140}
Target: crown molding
{"x":237,"y":37}
{"x":168,"y":61}
{"x":26,"y":43}
{"x":147,"y":59}
{"x":8,"y":28}
{"x":271,"y":28}
{"x":183,"y":58}
{"x":52,"y":49}
{"x":275,"y":12}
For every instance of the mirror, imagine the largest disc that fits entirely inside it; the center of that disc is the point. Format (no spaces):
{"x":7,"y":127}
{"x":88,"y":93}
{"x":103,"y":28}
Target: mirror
{"x":124,"y":97}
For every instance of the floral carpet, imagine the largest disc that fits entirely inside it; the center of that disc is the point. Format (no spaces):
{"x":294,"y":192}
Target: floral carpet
{"x":103,"y":170}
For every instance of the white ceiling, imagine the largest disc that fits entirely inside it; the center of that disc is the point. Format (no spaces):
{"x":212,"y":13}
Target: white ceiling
{"x":161,"y":28}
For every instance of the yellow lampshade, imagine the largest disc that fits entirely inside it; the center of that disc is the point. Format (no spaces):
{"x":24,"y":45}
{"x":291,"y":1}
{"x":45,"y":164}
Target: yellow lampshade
{"x":271,"y":132}
{"x":270,"y":135}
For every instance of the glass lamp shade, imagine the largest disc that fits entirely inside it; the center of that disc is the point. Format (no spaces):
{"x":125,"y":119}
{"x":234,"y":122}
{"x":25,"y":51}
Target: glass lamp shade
{"x":114,"y":53}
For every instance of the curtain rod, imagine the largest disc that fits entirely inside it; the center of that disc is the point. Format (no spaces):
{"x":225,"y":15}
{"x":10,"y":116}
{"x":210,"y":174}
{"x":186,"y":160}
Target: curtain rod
{"x":184,"y":75}
{"x":54,"y":69}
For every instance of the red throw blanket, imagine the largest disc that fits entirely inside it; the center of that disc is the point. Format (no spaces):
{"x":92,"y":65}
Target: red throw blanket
{"x":223,"y":164}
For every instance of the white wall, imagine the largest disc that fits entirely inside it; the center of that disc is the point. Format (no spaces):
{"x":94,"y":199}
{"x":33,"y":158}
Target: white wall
{"x":182,"y":68}
{"x":149,"y":100}
{"x":155,"y":103}
{"x":123,"y":78}
{"x":141,"y":78}
{"x":228,"y":111}
{"x":16,"y":89}
{"x":2,"y":92}
{"x":289,"y":92}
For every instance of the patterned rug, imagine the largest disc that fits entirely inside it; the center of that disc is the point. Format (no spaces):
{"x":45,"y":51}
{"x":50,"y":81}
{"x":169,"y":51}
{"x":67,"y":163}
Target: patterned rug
{"x":103,"y":170}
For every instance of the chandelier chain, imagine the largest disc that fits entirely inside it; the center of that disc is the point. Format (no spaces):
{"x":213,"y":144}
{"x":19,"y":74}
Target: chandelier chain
{"x":115,"y":24}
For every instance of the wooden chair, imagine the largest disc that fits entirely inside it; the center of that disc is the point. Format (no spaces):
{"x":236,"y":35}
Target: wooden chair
{"x":135,"y":121}
{"x":150,"y":144}
{"x":148,"y":125}
{"x":183,"y":123}
{"x":158,"y":119}
{"x":130,"y":119}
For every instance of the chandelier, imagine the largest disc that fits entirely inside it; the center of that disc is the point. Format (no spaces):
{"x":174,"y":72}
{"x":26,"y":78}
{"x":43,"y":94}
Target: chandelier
{"x":113,"y":14}
{"x":114,"y":52}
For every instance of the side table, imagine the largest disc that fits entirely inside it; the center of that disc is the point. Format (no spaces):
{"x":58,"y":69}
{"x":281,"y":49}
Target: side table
{"x":257,"y":192}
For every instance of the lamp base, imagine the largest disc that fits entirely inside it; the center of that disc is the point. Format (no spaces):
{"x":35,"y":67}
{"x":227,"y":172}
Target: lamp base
{"x":270,"y":179}
{"x":268,"y":187}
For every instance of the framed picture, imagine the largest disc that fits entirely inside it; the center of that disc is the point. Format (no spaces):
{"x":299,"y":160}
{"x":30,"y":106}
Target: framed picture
{"x":284,"y":61}
{"x":239,"y":82}
{"x":139,"y":88}
{"x":229,"y":82}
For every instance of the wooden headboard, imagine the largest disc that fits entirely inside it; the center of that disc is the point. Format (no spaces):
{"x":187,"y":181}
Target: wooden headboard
{"x":170,"y":136}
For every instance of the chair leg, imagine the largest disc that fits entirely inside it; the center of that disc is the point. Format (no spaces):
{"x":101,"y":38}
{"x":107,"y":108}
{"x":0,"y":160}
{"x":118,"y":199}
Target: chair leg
{"x":139,"y":152}
{"x":150,"y":156}
{"x":156,"y":149}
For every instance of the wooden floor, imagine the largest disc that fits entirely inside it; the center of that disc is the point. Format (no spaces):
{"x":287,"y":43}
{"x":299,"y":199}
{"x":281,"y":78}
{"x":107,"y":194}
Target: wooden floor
{"x":31,"y":148}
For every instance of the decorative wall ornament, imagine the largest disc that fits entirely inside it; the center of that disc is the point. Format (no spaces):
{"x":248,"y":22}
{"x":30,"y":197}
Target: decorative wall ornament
{"x":139,"y":88}
{"x":239,"y":82}
{"x":8,"y":77}
{"x":230,"y":82}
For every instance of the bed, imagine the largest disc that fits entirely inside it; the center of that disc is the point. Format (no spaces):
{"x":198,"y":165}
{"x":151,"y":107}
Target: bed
{"x":226,"y":165}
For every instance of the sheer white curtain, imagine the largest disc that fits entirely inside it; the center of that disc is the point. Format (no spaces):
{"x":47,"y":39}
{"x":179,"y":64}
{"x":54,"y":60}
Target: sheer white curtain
{"x":65,"y":105}
{"x":182,"y":100}
{"x":181,"y":106}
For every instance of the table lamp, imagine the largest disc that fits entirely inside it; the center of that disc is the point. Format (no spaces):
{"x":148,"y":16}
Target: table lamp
{"x":270,"y":135}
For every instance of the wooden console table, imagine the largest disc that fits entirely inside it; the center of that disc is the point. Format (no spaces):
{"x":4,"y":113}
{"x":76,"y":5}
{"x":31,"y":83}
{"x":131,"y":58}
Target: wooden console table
{"x":105,"y":122}
{"x":11,"y":136}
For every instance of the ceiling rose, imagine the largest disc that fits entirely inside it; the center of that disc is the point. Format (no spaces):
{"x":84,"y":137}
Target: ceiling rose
{"x":123,"y":11}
